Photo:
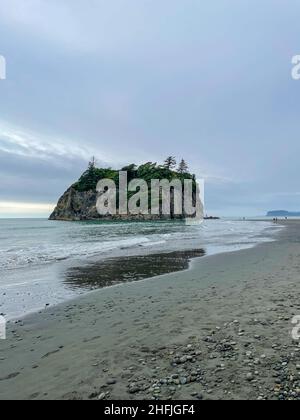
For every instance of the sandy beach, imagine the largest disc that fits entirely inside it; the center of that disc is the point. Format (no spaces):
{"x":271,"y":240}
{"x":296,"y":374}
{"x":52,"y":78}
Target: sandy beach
{"x":220,"y":330}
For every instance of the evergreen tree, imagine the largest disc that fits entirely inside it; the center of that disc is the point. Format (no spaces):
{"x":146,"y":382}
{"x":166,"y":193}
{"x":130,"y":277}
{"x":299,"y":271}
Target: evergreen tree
{"x":92,"y":164}
{"x":148,"y":171}
{"x":89,"y":178}
{"x":183,"y":167}
{"x":170,"y":163}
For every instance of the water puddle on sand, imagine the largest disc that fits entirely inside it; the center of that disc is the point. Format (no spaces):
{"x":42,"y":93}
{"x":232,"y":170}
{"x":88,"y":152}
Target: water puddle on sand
{"x":127,"y":269}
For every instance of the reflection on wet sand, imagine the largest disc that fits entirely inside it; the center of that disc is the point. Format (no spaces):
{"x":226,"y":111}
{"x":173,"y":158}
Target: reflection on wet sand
{"x":126,"y":269}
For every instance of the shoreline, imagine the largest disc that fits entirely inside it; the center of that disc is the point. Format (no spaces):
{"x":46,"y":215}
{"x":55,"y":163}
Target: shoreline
{"x":158,"y":339}
{"x":71,"y":273}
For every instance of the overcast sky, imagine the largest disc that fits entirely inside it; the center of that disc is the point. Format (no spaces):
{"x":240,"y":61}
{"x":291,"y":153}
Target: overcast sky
{"x":137,"y":80}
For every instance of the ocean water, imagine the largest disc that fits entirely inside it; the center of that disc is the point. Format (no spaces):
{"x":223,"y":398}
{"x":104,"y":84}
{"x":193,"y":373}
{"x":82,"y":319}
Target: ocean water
{"x":36,"y":254}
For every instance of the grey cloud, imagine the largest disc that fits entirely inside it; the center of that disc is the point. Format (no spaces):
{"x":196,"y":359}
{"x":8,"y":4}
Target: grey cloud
{"x":136,"y":81}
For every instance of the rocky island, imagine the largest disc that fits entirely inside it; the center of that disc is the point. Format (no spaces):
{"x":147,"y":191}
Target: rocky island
{"x":283,"y":213}
{"x":78,"y":203}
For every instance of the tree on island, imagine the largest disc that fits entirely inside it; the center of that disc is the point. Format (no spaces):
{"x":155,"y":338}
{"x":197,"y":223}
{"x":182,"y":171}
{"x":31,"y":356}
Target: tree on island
{"x":89,"y":177}
{"x":131,"y":171}
{"x":170,"y":163}
{"x":147,"y":171}
{"x":183,"y":167}
{"x":92,"y":164}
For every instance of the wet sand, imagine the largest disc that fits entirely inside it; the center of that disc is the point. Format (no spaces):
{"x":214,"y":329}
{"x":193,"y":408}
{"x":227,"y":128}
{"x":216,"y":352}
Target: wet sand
{"x":220,"y":330}
{"x":114,"y":271}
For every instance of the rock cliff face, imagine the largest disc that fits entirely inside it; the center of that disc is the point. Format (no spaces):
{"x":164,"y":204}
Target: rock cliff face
{"x":76,"y":205}
{"x":81,"y":205}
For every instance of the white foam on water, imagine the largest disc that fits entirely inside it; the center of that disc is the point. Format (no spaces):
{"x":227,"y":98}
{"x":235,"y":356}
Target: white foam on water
{"x":45,"y":254}
{"x":32,"y":252}
{"x":43,"y":242}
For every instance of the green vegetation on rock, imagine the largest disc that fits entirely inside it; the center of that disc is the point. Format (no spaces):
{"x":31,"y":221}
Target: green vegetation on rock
{"x":148,"y":171}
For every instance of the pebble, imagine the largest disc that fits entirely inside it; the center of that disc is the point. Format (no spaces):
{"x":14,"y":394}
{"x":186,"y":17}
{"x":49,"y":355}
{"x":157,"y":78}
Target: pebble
{"x":249,"y":377}
{"x":111,"y":381}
